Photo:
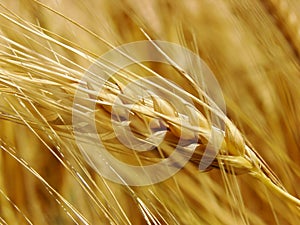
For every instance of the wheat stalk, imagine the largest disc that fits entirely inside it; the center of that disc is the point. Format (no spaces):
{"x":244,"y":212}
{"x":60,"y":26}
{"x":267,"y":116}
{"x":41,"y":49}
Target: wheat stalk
{"x":234,"y":154}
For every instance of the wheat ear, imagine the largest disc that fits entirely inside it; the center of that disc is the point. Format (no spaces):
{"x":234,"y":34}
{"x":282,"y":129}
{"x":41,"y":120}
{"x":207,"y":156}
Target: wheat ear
{"x":235,"y":156}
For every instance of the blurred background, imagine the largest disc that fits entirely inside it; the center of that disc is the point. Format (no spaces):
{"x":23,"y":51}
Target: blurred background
{"x":251,"y":46}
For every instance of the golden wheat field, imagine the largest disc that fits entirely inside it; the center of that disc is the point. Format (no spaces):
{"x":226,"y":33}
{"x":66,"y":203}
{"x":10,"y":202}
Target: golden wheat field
{"x":250,"y":47}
